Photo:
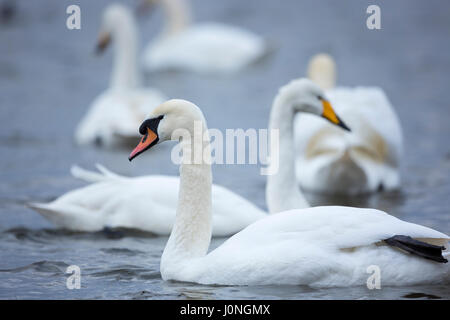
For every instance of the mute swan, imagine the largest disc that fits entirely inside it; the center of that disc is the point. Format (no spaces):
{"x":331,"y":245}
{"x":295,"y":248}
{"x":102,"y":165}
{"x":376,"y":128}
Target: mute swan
{"x":114,"y":115}
{"x":202,"y":48}
{"x":146,"y":203}
{"x":331,"y":161}
{"x":322,"y":246}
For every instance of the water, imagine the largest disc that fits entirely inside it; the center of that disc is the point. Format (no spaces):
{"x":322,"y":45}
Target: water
{"x":49,"y":75}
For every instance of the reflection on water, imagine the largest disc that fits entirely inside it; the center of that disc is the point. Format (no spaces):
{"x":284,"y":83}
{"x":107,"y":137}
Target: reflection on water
{"x":47,"y":83}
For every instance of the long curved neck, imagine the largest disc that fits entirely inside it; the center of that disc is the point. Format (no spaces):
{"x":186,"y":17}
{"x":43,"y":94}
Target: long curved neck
{"x":282,"y":191}
{"x":177,"y":14}
{"x":191,"y":233}
{"x":125,"y":73}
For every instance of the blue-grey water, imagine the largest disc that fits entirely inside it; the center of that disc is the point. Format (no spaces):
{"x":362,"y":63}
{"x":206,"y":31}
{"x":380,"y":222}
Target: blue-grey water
{"x":49,"y":76}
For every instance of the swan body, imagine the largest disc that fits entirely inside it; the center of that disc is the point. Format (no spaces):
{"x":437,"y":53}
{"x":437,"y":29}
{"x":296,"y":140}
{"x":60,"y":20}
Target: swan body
{"x":331,"y":161}
{"x":114,"y":115}
{"x":202,"y":48}
{"x":320,"y":247}
{"x":145,"y":203}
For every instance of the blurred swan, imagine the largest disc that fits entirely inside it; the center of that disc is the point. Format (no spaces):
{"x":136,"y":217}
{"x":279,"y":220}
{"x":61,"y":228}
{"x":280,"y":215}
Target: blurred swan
{"x":202,"y":48}
{"x":331,"y":161}
{"x":145,"y":203}
{"x":321,"y":247}
{"x":116,"y":113}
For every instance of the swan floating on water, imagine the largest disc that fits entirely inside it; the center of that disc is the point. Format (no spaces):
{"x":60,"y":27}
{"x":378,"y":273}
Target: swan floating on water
{"x":202,"y":48}
{"x":146,"y":203}
{"x":114,"y":115}
{"x":321,"y":246}
{"x":331,"y":161}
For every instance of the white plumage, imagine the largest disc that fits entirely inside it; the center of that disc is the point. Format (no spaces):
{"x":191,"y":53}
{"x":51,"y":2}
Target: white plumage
{"x":202,"y":48}
{"x":365,"y":160}
{"x":320,"y":247}
{"x":115,"y":116}
{"x":146,"y":203}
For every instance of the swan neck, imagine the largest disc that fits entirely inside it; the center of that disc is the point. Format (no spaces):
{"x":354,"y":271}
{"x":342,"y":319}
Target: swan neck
{"x":191,"y":233}
{"x":125,"y":72}
{"x":177,"y":14}
{"x":282,"y":190}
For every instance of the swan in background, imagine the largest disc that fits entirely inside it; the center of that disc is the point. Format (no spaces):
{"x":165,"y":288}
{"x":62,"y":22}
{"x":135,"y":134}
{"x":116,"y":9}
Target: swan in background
{"x":203,"y":48}
{"x":114,"y":115}
{"x":321,"y":246}
{"x":334,"y":162}
{"x":145,"y":203}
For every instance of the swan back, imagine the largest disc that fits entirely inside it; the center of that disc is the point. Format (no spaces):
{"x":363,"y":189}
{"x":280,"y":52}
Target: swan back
{"x":367,"y":158}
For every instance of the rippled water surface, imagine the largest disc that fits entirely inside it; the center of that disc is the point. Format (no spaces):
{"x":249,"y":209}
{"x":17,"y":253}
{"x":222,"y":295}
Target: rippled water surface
{"x":49,"y":75}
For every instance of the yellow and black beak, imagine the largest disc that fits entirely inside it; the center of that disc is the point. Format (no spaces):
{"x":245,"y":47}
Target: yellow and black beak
{"x":329,"y":114}
{"x":102,"y":43}
{"x":149,"y":130}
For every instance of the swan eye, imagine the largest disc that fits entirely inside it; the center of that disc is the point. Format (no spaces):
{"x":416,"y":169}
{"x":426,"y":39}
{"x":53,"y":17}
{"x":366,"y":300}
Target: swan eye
{"x":320,"y":98}
{"x":152,"y":124}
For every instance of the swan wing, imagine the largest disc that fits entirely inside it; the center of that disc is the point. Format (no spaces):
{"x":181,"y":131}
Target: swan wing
{"x":147,"y":203}
{"x":330,"y":226}
{"x":231,"y":212}
{"x":321,"y":246}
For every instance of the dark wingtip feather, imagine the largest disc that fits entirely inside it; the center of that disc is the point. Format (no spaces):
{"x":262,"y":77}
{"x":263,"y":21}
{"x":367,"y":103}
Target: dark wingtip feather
{"x":419,"y":248}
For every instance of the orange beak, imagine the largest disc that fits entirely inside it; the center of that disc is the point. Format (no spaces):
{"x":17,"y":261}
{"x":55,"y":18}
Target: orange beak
{"x":147,"y":141}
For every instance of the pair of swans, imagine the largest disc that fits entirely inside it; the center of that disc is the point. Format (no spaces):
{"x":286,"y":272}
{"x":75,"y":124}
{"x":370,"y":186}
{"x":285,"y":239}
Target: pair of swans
{"x":321,"y":246}
{"x":331,"y":161}
{"x":114,"y":115}
{"x":149,"y":203}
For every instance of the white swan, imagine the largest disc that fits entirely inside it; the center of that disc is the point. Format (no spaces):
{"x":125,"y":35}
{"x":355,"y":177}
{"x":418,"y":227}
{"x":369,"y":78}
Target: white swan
{"x":332,"y":161}
{"x":115,"y":114}
{"x":322,"y":246}
{"x":202,"y":48}
{"x":145,"y":203}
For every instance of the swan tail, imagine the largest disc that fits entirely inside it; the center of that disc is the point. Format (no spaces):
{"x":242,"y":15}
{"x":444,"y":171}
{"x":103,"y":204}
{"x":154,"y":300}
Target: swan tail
{"x":419,"y":248}
{"x":91,"y":176}
{"x":47,"y":211}
{"x":39,"y":207}
{"x":68,"y":216}
{"x":322,"y":71}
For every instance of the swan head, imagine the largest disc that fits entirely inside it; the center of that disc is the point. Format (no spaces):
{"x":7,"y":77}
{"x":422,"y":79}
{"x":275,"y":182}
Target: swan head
{"x":305,"y":96}
{"x":114,"y":17}
{"x":164,"y":120}
{"x":322,"y":70}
